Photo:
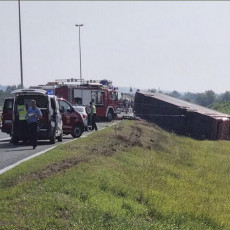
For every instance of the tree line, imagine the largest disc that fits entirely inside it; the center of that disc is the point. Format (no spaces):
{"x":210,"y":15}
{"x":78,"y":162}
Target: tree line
{"x":207,"y":98}
{"x":6,"y":93}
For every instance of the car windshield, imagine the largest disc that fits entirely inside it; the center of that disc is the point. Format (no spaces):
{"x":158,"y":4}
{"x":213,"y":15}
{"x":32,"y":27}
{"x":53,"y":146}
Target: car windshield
{"x":79,"y":109}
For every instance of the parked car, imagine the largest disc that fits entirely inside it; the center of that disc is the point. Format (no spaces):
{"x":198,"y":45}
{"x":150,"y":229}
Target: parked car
{"x":7,"y":115}
{"x":82,"y":110}
{"x":50,"y":125}
{"x":72,"y":120}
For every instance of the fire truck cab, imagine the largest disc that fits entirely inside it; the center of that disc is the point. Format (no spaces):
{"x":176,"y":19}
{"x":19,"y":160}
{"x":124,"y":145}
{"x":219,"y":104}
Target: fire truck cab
{"x":104,"y":97}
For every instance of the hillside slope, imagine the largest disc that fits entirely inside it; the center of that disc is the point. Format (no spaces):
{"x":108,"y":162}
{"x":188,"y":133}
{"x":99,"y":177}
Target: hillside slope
{"x":130,"y":176}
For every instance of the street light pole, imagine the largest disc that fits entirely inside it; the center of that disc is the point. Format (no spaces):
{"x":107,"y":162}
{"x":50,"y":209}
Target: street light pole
{"x":79,"y":26}
{"x":20,"y":42}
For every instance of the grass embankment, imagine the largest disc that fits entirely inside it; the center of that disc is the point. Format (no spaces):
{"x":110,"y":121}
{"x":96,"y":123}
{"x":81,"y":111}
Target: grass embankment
{"x":132,"y":176}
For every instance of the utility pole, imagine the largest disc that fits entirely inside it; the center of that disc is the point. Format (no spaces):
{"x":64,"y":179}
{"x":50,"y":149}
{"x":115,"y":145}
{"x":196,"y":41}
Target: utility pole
{"x":20,"y":42}
{"x":79,"y":26}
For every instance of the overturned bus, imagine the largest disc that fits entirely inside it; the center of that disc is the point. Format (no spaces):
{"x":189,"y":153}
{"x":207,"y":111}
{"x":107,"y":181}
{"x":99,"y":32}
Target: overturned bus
{"x":182,"y":117}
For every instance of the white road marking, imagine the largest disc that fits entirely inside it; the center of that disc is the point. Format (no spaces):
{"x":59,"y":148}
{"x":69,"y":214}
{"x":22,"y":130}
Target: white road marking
{"x":44,"y":151}
{"x":25,"y":159}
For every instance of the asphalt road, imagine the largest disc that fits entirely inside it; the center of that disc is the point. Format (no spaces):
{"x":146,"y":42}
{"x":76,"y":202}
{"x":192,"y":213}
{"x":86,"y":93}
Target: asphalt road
{"x":11,"y":154}
{"x":3,"y":135}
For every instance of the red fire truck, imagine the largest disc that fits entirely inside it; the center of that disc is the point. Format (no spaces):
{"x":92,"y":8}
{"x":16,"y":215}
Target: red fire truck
{"x":102,"y":93}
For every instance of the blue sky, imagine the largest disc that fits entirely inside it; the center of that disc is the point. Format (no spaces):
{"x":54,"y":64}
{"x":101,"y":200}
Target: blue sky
{"x":182,"y":46}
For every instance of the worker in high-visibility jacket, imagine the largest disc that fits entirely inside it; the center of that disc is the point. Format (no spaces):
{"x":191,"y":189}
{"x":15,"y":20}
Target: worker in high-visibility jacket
{"x":93,"y":115}
{"x":22,"y":123}
{"x":22,"y":112}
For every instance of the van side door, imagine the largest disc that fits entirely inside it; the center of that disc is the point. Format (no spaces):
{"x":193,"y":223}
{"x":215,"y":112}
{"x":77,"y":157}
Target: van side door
{"x":58,"y":117}
{"x":67,"y":115}
{"x":7,"y":115}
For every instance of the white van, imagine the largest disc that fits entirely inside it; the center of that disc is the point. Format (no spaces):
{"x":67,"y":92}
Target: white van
{"x":50,"y":125}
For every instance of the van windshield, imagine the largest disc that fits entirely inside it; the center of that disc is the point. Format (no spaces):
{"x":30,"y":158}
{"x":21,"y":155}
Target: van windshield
{"x":41,"y":101}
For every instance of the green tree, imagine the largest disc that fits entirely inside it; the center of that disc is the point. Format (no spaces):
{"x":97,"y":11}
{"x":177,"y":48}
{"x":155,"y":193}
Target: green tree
{"x":210,"y":97}
{"x":175,"y":94}
{"x":205,"y":99}
{"x":225,"y":97}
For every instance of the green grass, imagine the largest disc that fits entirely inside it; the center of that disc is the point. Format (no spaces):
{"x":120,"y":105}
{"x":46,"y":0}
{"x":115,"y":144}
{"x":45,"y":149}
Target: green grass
{"x":131,"y":176}
{"x":223,"y":107}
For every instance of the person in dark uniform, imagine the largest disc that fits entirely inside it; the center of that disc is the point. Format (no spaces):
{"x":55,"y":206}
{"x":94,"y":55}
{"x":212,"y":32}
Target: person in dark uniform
{"x":33,"y":115}
{"x":93,"y":116}
{"x":88,"y":111}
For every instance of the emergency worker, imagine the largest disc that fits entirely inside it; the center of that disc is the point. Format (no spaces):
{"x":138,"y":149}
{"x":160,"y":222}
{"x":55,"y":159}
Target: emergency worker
{"x":22,"y":112}
{"x":93,"y":116}
{"x":33,"y":115}
{"x":88,"y":111}
{"x":21,"y":122}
